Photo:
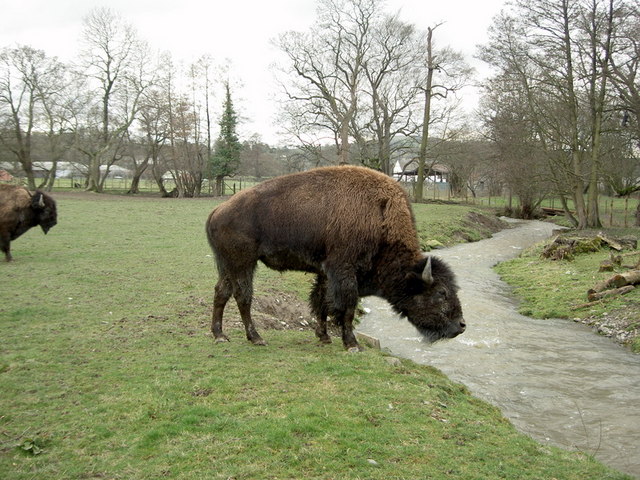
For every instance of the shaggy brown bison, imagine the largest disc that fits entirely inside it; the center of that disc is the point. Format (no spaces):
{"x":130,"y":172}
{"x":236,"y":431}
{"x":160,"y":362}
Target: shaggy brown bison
{"x":351,"y":226}
{"x":20,"y":210}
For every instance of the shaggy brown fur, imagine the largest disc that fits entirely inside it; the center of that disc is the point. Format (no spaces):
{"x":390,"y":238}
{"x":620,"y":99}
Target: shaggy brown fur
{"x":351,"y":226}
{"x":20,"y":210}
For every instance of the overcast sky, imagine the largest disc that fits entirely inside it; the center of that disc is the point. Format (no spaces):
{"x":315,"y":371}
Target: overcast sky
{"x":240,"y":30}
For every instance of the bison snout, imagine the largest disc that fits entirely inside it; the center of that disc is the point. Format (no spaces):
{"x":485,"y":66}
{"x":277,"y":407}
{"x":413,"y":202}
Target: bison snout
{"x":459,"y":329}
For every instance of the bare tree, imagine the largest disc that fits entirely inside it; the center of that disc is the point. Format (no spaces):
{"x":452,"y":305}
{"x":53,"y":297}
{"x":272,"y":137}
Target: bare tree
{"x":519,"y":161}
{"x":446,"y":72}
{"x":559,"y":53}
{"x":625,"y":69}
{"x":153,"y":123}
{"x":391,"y":68}
{"x":625,"y":76}
{"x":114,"y":60}
{"x":31,"y":87}
{"x":328,"y":63}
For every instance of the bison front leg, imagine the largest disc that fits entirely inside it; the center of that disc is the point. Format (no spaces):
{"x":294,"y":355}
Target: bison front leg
{"x":342,"y":292}
{"x":319,"y":308}
{"x":348,"y":338}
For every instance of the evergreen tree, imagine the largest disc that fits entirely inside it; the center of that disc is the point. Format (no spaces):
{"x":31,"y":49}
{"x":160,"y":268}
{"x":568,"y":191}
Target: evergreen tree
{"x":226,"y":156}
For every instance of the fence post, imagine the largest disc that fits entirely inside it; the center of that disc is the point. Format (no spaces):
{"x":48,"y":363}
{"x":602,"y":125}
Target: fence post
{"x":626,"y":211}
{"x":611,"y":214}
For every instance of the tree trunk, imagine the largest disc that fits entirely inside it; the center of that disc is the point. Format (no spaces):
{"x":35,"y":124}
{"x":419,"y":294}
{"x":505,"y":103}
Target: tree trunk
{"x":135,"y":184}
{"x":219,"y":185}
{"x":137,"y":175}
{"x":426,"y":119}
{"x":93,"y":174}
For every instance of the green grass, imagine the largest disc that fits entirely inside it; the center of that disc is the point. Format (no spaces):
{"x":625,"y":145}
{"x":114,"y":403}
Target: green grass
{"x":108,"y":370}
{"x":614,"y":212}
{"x":551,"y":288}
{"x":449,"y":223}
{"x":556,"y":288}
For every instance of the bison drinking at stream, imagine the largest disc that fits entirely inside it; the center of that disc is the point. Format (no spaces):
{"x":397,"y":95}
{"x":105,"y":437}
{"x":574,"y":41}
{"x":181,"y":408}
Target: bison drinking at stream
{"x":354,"y":229}
{"x":20,"y":210}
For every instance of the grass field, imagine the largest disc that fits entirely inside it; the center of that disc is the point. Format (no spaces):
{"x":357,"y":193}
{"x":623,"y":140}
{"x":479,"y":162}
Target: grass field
{"x":108,"y":371}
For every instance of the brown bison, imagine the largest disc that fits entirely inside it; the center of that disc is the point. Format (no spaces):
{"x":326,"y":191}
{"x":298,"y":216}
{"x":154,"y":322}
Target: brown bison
{"x":20,"y":210}
{"x":351,"y":226}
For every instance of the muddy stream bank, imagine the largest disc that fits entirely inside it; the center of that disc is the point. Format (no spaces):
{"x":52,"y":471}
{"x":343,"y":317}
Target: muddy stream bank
{"x":556,"y":380}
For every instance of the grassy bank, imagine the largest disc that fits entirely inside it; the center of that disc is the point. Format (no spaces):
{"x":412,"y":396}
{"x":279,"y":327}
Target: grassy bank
{"x":108,"y":370}
{"x":556,"y":288}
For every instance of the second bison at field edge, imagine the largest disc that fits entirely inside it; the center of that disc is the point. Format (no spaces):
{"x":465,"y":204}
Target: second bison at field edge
{"x":351,"y":226}
{"x":21,"y":210}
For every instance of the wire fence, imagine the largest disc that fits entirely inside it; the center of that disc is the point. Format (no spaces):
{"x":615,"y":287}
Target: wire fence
{"x":614,"y":211}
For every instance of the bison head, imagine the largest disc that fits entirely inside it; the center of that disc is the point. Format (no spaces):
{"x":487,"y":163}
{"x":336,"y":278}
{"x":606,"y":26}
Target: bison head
{"x":430,"y":301}
{"x":44,"y":208}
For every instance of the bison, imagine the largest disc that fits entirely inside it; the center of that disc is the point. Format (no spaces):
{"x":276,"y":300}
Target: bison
{"x":20,"y":210}
{"x":353,"y":228}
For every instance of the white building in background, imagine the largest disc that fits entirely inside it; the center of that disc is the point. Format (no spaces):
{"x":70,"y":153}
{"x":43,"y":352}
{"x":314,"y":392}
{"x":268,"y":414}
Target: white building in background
{"x":406,"y":170}
{"x":65,"y":170}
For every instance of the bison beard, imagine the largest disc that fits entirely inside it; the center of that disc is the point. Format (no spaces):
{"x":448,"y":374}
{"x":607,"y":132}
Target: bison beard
{"x":352,"y":227}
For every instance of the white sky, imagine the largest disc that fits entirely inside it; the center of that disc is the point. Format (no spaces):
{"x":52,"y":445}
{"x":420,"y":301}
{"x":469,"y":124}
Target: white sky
{"x":240,"y":30}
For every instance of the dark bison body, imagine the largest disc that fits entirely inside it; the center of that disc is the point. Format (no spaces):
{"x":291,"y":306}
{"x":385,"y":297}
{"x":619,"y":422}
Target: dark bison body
{"x":351,"y":226}
{"x":20,"y":210}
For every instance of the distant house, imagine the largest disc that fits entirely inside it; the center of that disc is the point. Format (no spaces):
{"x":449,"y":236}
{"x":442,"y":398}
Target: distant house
{"x":406,"y":170}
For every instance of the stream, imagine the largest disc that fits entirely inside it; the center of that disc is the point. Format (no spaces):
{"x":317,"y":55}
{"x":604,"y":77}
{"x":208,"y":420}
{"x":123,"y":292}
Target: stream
{"x":556,"y":380}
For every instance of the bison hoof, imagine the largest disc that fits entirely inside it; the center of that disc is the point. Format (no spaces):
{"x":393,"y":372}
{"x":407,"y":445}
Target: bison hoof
{"x":326,"y":339}
{"x":222,"y":339}
{"x":356,"y":349}
{"x":260,"y":342}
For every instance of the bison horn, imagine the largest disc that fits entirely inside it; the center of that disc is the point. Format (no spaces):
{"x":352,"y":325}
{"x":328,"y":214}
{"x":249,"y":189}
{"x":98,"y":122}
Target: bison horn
{"x":41,"y":201}
{"x":426,"y":273}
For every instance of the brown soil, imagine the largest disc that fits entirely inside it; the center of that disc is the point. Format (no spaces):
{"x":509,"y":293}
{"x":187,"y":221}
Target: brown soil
{"x":488,"y":224}
{"x":271,"y":311}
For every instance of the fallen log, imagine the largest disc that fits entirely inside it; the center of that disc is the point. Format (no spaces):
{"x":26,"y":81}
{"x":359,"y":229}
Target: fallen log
{"x":618,"y":280}
{"x":564,"y":248}
{"x":605,"y":295}
{"x":615,"y":244}
{"x":610,"y":293}
{"x":619,"y":244}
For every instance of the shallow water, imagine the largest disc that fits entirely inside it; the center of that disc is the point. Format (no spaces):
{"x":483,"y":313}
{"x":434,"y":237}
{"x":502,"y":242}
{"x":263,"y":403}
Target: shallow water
{"x":556,"y":380}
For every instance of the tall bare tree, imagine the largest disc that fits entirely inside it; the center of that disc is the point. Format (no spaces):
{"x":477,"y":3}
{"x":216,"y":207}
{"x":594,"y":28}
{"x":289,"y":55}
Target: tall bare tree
{"x":559,"y":51}
{"x":114,"y":61}
{"x":328,"y":63}
{"x":391,"y":70}
{"x":446,"y":72}
{"x":31,"y":87}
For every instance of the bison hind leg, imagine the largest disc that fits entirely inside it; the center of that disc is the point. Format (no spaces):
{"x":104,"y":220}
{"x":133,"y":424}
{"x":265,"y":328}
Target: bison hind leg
{"x":5,"y":246}
{"x":243,"y":293}
{"x":319,"y":308}
{"x":223,"y":292}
